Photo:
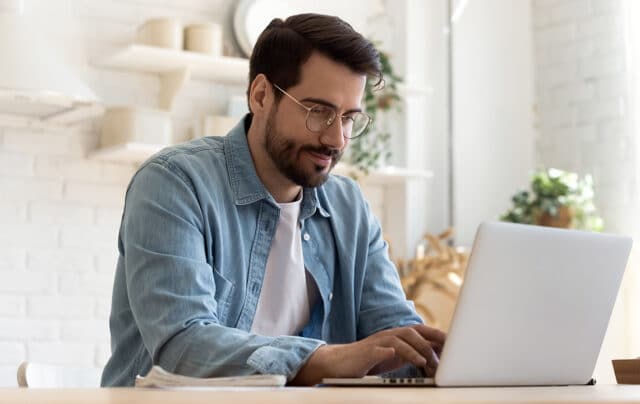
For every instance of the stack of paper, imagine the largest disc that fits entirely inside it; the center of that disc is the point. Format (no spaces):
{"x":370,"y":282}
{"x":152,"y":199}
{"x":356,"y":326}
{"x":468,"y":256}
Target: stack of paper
{"x":158,"y":377}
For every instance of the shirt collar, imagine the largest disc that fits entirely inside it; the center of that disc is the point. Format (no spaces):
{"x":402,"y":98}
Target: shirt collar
{"x":245,"y":183}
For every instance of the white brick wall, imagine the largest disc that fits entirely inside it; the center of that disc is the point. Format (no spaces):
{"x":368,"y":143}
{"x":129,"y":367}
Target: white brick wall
{"x":59,"y":211}
{"x":13,"y":306}
{"x":582,"y":104}
{"x":64,"y":353}
{"x":29,"y":329}
{"x":74,"y":307}
{"x":584,"y":121}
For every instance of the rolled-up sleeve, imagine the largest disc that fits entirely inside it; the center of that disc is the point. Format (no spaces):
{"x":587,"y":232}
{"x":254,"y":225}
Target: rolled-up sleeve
{"x":172,"y":289}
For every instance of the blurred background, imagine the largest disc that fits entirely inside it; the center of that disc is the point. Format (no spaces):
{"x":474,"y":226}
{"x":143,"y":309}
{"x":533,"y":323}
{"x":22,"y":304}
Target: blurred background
{"x":482,"y":98}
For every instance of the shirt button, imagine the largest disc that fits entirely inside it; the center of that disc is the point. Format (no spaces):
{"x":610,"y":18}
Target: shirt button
{"x":306,"y":237}
{"x":330,"y":295}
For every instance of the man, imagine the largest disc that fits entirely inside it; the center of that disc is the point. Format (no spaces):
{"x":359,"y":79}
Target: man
{"x":242,"y":254}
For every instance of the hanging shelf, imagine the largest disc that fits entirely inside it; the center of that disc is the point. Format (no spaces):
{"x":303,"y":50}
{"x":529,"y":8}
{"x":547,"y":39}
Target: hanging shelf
{"x":176,"y":67}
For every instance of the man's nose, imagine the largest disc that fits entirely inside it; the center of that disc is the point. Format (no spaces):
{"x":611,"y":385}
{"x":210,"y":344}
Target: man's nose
{"x":333,"y":136}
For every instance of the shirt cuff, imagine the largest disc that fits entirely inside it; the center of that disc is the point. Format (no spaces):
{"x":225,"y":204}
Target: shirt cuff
{"x":285,"y":355}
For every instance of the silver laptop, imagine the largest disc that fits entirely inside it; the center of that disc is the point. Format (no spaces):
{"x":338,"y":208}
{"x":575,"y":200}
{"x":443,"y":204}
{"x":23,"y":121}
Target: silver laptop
{"x":532,"y":311}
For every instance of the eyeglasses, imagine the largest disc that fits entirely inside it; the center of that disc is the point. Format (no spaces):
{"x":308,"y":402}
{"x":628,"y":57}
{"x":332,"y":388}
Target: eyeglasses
{"x":321,"y":117}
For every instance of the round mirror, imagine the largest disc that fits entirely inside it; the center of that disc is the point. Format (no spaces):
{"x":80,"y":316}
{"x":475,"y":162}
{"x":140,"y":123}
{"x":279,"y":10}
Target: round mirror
{"x":252,"y":17}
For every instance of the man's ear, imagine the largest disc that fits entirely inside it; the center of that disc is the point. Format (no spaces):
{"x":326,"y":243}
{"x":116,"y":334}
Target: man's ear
{"x":260,"y":95}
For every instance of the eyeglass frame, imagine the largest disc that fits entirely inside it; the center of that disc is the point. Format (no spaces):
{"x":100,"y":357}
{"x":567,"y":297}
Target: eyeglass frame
{"x":309,"y":109}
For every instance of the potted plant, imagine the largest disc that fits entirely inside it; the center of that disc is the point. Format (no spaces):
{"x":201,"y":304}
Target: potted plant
{"x":558,"y":199}
{"x":372,"y":149}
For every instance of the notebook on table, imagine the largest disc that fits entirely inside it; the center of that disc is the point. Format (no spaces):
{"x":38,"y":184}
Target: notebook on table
{"x":157,"y":377}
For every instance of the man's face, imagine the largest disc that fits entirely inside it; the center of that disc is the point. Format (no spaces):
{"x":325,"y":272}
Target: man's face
{"x":306,"y":157}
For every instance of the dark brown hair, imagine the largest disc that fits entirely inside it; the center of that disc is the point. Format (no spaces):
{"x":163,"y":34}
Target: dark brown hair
{"x":284,"y":46}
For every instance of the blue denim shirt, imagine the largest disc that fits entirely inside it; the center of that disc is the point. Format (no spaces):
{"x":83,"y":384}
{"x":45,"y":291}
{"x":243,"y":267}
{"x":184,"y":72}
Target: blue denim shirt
{"x":194,"y":241}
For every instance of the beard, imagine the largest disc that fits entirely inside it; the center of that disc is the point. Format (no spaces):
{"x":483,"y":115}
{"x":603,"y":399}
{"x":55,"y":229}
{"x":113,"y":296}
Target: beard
{"x":285,"y":154}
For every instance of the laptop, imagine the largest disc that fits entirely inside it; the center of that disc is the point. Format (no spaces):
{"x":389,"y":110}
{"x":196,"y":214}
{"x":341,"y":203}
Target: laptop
{"x":533,"y":309}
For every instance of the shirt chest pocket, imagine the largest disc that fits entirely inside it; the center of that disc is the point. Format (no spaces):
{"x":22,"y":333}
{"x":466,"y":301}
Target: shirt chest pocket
{"x":223,"y":294}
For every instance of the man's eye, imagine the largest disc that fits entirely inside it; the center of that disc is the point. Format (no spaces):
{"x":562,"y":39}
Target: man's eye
{"x":319,"y":110}
{"x":322,"y":112}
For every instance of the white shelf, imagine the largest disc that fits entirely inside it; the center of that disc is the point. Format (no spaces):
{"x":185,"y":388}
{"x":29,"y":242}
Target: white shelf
{"x":75,"y":114}
{"x":127,"y":153}
{"x":23,"y":109}
{"x":176,"y":67}
{"x":151,"y":59}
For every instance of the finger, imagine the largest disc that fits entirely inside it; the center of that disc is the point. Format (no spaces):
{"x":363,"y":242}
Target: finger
{"x":420,"y":344}
{"x":438,"y":349}
{"x":434,"y":335}
{"x":407,"y":352}
{"x":382,"y":353}
{"x":429,"y":372}
{"x":378,"y":355}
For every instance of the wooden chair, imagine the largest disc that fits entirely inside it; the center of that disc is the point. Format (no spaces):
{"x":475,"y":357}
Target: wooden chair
{"x":37,"y":375}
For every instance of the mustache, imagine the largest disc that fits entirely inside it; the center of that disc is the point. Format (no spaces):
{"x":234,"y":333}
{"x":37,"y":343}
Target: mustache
{"x":335,"y":154}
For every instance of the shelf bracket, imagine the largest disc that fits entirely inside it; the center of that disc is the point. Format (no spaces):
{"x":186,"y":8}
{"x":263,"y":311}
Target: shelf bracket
{"x":170,"y":85}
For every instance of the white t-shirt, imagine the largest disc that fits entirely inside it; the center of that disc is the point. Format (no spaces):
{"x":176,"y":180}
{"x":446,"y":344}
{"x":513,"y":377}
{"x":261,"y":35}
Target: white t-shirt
{"x":284,"y":305}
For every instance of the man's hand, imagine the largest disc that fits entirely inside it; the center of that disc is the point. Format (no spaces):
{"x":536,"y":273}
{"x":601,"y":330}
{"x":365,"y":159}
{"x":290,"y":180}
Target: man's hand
{"x":384,"y":351}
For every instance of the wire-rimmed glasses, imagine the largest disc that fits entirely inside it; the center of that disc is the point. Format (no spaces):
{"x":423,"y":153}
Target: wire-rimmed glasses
{"x":321,"y":117}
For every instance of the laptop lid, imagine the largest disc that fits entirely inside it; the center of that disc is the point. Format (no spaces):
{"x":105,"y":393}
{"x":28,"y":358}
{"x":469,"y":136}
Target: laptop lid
{"x":534,"y":306}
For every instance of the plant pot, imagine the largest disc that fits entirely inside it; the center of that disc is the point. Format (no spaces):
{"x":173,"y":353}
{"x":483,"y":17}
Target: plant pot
{"x":563,"y":219}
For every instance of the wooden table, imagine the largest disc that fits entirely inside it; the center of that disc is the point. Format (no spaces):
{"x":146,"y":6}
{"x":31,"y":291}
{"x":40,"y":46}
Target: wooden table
{"x":388,"y":395}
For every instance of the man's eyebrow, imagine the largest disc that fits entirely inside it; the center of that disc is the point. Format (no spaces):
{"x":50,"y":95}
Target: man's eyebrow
{"x":328,"y":104}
